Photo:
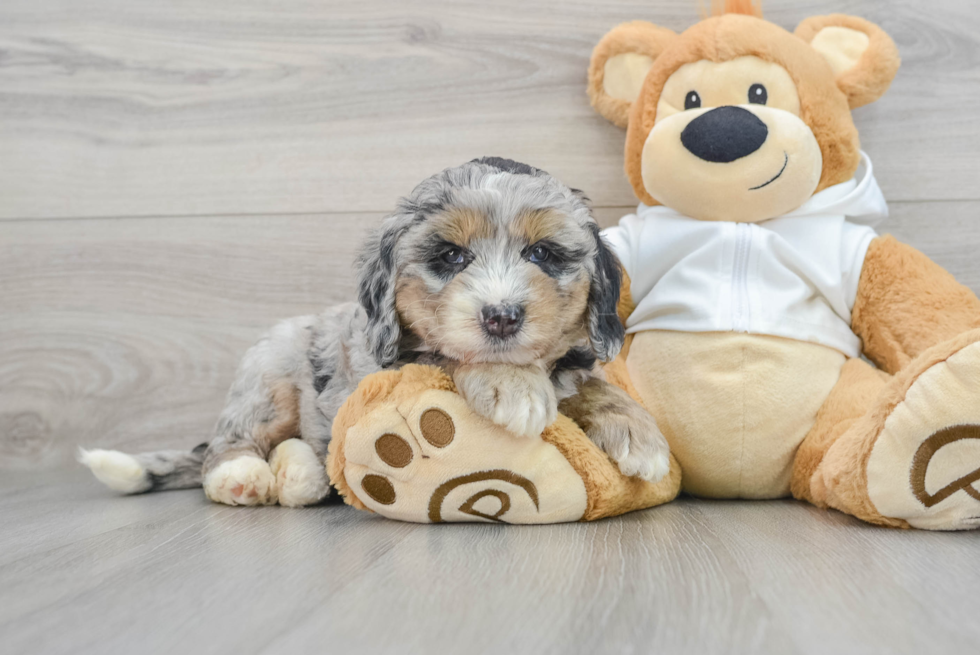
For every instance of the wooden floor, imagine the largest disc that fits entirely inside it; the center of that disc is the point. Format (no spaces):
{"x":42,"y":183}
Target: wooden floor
{"x":84,"y":572}
{"x":176,"y":176}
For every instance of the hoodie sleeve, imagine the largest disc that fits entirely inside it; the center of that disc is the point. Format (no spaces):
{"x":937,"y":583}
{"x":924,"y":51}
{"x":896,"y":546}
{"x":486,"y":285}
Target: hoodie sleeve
{"x":854,"y":248}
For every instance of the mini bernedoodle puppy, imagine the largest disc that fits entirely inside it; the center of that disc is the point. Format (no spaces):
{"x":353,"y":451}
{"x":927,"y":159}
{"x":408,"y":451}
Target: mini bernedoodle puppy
{"x":493,"y":270}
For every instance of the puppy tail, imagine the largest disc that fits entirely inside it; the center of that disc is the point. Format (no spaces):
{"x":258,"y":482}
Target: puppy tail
{"x":136,"y":474}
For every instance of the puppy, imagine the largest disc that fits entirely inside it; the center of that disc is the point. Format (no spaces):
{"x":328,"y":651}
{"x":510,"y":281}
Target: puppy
{"x":493,"y":270}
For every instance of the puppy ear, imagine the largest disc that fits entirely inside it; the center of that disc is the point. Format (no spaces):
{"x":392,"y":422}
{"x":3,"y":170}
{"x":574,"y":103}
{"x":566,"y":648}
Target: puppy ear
{"x":376,"y":289}
{"x":619,"y":65}
{"x":863,"y":57}
{"x":606,"y":332}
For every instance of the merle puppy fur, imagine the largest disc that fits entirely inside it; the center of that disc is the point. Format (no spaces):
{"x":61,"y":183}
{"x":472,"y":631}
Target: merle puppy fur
{"x":493,"y":270}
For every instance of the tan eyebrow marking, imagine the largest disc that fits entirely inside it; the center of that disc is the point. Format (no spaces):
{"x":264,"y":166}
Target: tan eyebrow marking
{"x":536,"y":224}
{"x":461,"y":225}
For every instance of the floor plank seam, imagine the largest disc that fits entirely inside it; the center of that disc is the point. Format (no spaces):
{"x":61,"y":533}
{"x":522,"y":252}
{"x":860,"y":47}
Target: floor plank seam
{"x":353,"y":212}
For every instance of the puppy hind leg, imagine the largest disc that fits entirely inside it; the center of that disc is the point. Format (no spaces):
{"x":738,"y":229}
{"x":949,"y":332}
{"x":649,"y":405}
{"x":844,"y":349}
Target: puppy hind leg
{"x":235,"y":468}
{"x":300,"y":464}
{"x":301,"y":478}
{"x":262,"y":411}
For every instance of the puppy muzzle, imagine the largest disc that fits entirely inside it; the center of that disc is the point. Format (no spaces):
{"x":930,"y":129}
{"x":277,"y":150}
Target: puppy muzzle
{"x":501,"y":321}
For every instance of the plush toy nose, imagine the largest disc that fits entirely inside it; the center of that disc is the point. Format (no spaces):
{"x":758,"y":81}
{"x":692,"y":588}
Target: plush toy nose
{"x":724,"y":134}
{"x":501,"y":320}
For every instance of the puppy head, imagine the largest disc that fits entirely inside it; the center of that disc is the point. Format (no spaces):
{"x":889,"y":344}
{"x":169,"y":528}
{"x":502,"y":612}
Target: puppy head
{"x":491,"y":261}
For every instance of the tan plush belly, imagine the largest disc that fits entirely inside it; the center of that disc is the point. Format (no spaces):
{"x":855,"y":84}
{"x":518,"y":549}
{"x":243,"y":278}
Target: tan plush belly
{"x":733,"y":406}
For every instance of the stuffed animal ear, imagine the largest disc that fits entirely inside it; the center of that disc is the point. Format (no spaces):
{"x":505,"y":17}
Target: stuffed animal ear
{"x":863,"y":57}
{"x":619,"y":65}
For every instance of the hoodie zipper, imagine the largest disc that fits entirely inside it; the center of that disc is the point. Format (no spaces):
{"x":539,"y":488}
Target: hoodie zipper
{"x":740,"y":277}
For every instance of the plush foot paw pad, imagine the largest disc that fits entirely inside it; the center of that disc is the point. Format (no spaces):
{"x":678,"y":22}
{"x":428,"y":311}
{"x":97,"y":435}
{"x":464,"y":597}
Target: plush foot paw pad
{"x":925,"y":465}
{"x":429,"y":458}
{"x":406,"y":446}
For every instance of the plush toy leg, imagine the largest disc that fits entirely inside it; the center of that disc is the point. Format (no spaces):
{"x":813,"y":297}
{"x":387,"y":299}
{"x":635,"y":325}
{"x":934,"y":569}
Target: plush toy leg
{"x":912,"y":458}
{"x":855,"y":393}
{"x":406,"y":446}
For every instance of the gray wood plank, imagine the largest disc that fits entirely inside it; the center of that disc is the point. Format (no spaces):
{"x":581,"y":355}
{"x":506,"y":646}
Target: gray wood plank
{"x":147,"y":319}
{"x":118,"y":109}
{"x":84,"y":571}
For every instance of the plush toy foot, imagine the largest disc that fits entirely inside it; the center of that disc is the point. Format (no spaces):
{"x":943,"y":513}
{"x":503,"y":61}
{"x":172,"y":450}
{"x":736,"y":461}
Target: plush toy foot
{"x":925,"y":465}
{"x":435,"y":460}
{"x":914,"y":459}
{"x":407,"y":446}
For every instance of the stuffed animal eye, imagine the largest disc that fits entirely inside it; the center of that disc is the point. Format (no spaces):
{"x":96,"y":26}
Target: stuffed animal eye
{"x":538,"y":254}
{"x":454,"y":255}
{"x":692,"y":100}
{"x":758,"y":94}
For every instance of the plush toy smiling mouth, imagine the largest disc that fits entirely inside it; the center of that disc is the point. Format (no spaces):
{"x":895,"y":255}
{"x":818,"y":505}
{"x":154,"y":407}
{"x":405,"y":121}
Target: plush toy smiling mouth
{"x":764,"y":184}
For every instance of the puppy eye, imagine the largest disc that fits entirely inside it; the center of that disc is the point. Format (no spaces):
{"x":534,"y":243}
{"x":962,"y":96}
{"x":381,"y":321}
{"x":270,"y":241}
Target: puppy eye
{"x":692,"y":100}
{"x":454,"y":255}
{"x":758,"y":94}
{"x":538,"y":254}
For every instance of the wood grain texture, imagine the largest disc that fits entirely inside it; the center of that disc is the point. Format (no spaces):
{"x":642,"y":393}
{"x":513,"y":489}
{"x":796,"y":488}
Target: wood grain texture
{"x":111,"y":108}
{"x":128,"y":331}
{"x":83,"y":571}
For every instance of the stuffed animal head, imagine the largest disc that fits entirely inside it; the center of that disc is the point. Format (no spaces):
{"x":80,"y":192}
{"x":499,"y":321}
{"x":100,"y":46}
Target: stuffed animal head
{"x":737,"y":119}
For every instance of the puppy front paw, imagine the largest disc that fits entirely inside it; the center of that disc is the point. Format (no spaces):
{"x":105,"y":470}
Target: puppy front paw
{"x":634,"y":442}
{"x":520,"y":399}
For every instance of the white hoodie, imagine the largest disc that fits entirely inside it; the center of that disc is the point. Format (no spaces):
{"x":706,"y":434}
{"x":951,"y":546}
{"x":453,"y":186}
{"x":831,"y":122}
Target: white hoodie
{"x":793,"y":276}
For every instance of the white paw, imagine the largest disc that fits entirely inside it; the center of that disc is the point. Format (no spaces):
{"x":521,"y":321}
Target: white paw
{"x":246,"y":480}
{"x":300,"y":475}
{"x":519,"y":399}
{"x":116,"y":470}
{"x":635,"y":444}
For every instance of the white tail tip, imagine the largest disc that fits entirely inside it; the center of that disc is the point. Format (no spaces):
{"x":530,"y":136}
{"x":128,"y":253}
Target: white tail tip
{"x":116,"y":470}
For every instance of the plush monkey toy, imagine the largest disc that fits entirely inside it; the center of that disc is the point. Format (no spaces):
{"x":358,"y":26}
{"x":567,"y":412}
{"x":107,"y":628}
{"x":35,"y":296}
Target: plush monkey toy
{"x":755,"y":283}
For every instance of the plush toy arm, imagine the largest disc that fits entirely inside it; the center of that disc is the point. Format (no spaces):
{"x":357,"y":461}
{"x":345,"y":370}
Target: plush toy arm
{"x":906,"y":304}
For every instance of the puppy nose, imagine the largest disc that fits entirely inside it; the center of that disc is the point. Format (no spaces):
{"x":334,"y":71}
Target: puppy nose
{"x":501,"y":320}
{"x":724,"y":134}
